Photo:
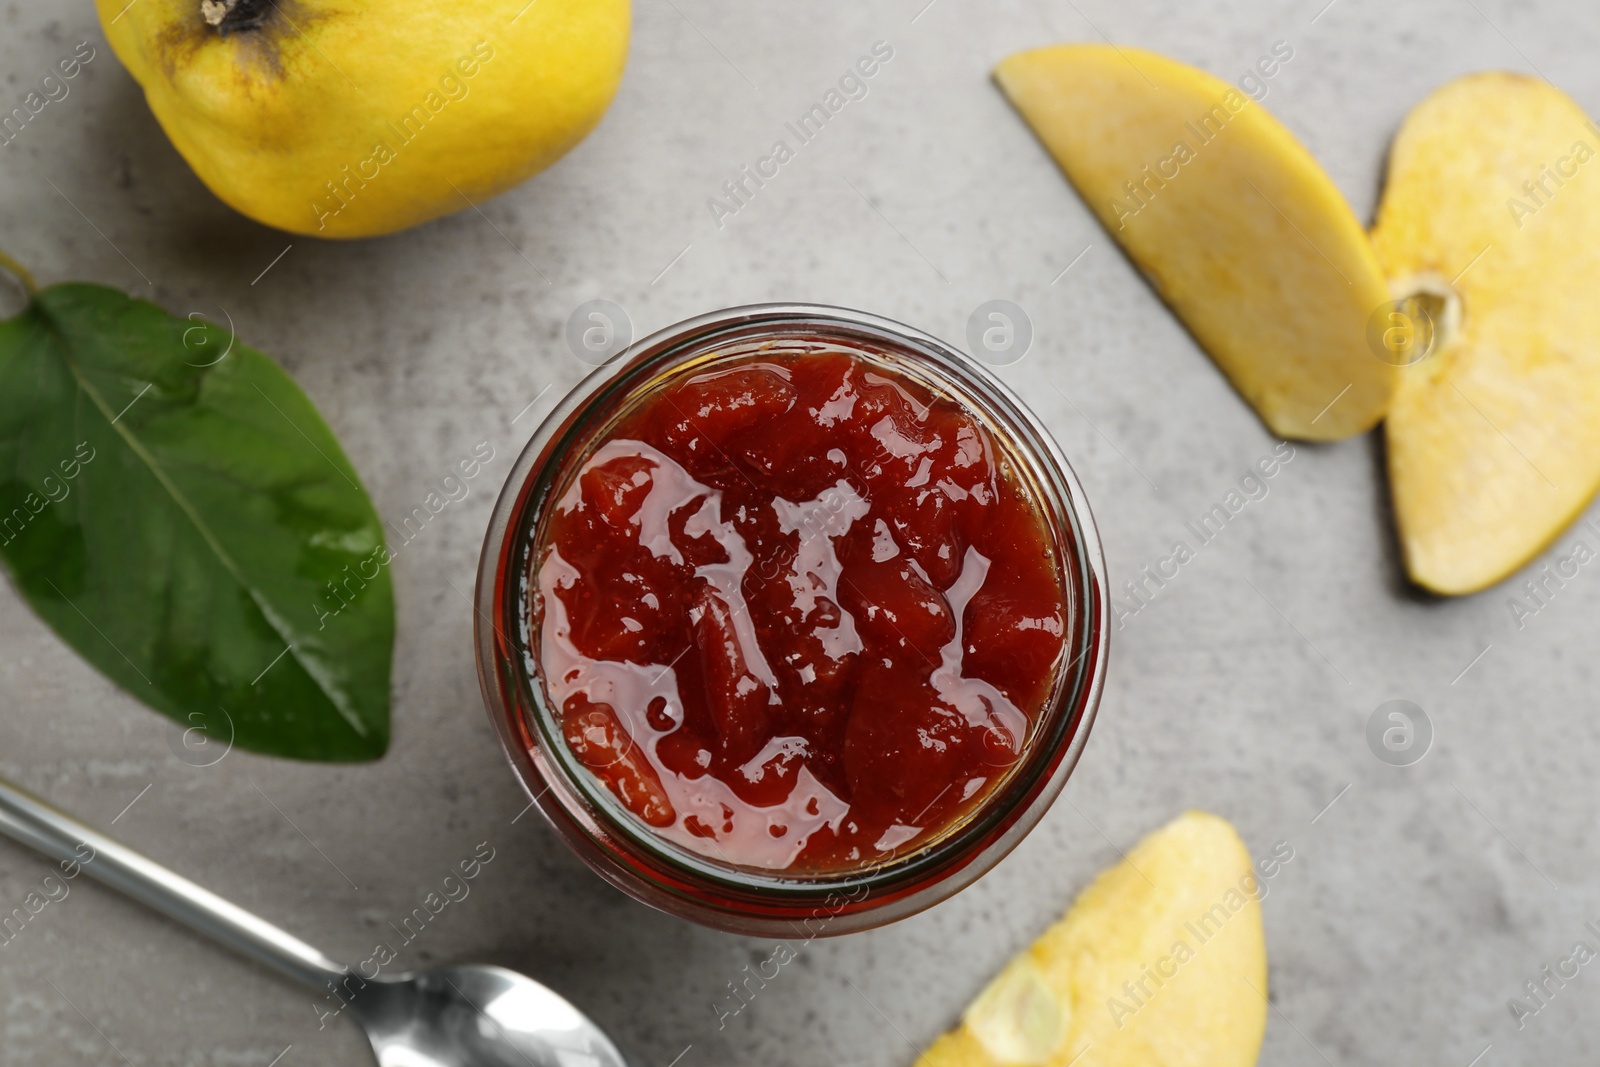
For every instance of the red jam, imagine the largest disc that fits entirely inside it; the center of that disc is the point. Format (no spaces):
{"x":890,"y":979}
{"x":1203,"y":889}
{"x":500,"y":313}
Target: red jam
{"x":796,"y":611}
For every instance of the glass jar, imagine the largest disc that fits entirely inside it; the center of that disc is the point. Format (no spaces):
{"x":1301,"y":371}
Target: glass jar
{"x":615,"y":842}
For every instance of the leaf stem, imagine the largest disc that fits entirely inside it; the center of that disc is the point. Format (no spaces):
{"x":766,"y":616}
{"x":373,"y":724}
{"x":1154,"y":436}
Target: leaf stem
{"x":22,"y":273}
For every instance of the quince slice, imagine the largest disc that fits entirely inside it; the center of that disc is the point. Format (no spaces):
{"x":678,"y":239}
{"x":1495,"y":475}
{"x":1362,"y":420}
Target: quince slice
{"x":1237,"y":227}
{"x":1491,"y":214}
{"x":1160,"y":962}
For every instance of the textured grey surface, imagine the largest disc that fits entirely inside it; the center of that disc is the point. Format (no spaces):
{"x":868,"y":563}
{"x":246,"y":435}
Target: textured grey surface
{"x":1415,"y":905}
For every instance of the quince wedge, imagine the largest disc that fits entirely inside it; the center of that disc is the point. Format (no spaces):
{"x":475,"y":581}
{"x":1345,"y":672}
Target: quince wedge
{"x":1489,"y":229}
{"x":1161,"y":962}
{"x":1231,"y":219}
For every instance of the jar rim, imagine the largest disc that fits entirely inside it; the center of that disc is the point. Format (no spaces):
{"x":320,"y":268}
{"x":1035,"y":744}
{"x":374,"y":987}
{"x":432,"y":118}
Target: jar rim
{"x":578,"y":805}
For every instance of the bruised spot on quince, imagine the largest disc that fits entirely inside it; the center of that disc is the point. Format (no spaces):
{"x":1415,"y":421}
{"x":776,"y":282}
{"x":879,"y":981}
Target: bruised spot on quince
{"x":255,"y":34}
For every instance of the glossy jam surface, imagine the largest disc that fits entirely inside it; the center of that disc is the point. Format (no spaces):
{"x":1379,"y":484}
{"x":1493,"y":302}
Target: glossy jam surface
{"x":796,"y":611}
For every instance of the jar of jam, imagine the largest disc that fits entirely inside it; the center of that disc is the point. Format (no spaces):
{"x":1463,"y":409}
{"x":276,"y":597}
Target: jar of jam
{"x":792,"y":619}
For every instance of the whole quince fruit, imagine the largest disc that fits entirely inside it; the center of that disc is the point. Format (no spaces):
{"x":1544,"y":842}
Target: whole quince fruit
{"x":339,"y":118}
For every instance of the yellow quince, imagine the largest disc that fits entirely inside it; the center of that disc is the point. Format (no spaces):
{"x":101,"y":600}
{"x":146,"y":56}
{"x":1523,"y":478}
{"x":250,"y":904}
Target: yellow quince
{"x":1231,"y":219}
{"x":340,"y":118}
{"x":1489,"y":228}
{"x":1161,"y":962}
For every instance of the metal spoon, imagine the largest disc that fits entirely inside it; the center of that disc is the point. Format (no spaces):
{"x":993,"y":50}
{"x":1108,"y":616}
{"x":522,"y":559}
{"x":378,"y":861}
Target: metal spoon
{"x":451,"y":1017}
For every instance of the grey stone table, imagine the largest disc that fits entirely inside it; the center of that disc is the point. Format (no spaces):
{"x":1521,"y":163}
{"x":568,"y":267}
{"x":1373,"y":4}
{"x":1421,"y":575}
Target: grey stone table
{"x":1419,"y":899}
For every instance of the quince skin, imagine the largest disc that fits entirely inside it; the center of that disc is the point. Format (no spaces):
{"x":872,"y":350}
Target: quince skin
{"x":1161,"y":962}
{"x":342,"y":118}
{"x":1490,"y":224}
{"x":1231,"y":219}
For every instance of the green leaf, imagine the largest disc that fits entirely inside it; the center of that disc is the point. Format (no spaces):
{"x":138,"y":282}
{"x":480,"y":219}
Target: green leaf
{"x":174,"y":507}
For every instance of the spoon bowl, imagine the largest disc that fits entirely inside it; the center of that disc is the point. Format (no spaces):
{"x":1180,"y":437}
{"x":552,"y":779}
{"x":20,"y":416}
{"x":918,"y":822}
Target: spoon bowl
{"x":467,"y":1016}
{"x":480,"y":1016}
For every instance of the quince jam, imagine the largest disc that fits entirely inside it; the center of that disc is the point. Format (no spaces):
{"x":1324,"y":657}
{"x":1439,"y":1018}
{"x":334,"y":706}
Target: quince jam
{"x":797,"y":610}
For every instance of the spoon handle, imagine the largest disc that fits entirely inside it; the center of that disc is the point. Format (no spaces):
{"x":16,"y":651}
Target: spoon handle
{"x":33,"y":822}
